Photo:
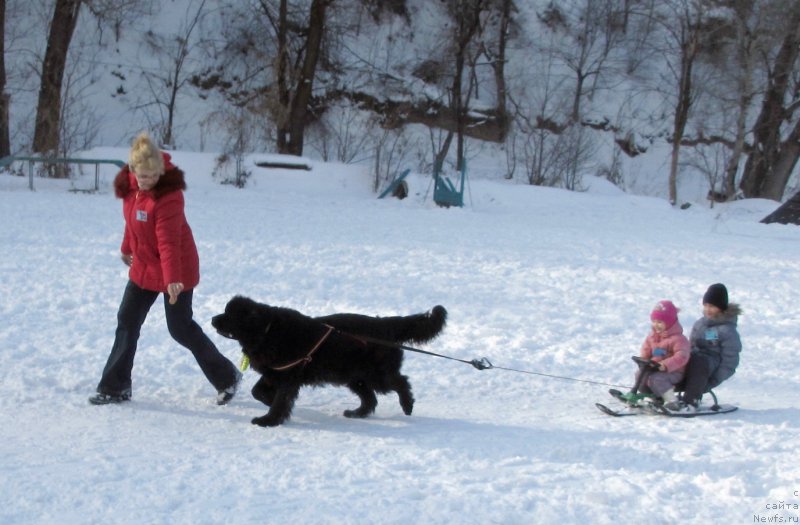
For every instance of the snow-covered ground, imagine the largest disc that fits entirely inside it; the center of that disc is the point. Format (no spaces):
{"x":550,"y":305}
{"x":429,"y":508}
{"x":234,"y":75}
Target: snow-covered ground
{"x":536,"y":279}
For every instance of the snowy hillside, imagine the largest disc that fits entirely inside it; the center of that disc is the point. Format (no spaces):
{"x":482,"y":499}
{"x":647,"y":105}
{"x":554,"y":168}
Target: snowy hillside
{"x":120,"y":77}
{"x":541,"y":280}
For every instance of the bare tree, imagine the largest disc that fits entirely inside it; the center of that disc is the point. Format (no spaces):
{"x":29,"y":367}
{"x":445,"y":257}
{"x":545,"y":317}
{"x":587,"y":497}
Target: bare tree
{"x":682,"y":22}
{"x":269,"y":63}
{"x":5,"y":98}
{"x":54,"y":64}
{"x":466,"y":15}
{"x":172,"y":52}
{"x":590,"y":31}
{"x":773,"y":155}
{"x":79,"y":126}
{"x":687,"y":39}
{"x":391,"y":152}
{"x":748,"y":40}
{"x":48,"y":109}
{"x":468,"y":18}
{"x":584,"y":35}
{"x":345,"y":134}
{"x":295,"y":102}
{"x":496,"y":54}
{"x":282,"y":75}
{"x":537,"y":103}
{"x":711,"y":161}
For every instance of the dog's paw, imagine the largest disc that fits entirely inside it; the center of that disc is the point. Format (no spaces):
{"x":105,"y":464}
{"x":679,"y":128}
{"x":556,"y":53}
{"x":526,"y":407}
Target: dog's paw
{"x":407,"y":402}
{"x":356,"y":414}
{"x":265,"y":421}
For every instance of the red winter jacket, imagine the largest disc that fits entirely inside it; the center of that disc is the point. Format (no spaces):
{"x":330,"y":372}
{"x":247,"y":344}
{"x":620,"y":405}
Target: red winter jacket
{"x":156,"y":231}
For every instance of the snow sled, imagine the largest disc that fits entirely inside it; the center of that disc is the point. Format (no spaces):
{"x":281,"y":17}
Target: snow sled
{"x":638,"y":403}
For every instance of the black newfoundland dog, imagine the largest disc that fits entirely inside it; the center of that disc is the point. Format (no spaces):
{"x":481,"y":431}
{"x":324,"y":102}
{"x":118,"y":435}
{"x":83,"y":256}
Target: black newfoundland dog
{"x":291,"y":350}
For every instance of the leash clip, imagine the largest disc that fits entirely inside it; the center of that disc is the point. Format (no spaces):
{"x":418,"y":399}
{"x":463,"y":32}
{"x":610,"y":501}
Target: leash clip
{"x":482,"y":363}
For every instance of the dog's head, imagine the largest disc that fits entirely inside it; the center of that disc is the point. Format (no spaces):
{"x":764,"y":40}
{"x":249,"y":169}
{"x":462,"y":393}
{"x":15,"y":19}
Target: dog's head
{"x":244,"y":320}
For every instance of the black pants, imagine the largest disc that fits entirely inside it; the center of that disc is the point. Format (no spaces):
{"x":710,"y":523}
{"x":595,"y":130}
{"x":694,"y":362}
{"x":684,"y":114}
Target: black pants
{"x":133,"y":309}
{"x":698,"y":372}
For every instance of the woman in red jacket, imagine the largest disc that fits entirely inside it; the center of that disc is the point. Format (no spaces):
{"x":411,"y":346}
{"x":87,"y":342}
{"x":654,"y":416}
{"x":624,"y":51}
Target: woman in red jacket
{"x":159,"y":249}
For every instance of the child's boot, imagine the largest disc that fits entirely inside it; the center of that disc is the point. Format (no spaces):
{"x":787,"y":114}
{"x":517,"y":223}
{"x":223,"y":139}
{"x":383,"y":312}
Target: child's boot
{"x":668,"y":396}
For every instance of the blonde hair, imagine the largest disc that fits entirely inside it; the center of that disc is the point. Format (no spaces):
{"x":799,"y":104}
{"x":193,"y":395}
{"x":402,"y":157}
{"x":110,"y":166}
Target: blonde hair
{"x":145,"y":155}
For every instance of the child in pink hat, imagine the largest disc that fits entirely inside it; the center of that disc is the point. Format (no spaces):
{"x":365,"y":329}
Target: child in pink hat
{"x":667,"y":347}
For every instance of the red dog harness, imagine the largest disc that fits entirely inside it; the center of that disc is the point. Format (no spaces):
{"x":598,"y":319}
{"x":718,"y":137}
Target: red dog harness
{"x":307,"y":359}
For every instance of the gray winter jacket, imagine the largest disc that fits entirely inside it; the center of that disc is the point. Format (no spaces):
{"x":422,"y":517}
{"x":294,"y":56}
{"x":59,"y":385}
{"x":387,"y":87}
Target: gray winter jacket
{"x":718,"y":341}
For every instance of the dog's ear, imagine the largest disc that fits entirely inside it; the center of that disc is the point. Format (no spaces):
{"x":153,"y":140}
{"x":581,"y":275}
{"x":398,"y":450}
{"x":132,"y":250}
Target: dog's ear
{"x":252,"y":317}
{"x":236,"y":304}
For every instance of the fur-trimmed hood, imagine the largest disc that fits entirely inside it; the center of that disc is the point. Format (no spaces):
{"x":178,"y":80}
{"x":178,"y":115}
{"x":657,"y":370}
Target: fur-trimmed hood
{"x":728,"y":317}
{"x":731,"y":315}
{"x":172,"y":180}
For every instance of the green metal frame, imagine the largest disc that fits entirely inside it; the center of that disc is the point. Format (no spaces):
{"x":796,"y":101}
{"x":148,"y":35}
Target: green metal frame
{"x":396,"y":182}
{"x":444,"y":191}
{"x":7,"y":161}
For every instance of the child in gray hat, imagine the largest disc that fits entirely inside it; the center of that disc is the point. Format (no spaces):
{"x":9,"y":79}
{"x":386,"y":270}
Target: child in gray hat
{"x":715,"y":349}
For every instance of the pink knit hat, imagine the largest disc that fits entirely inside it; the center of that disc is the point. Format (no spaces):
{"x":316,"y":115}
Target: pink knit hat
{"x":665,"y":312}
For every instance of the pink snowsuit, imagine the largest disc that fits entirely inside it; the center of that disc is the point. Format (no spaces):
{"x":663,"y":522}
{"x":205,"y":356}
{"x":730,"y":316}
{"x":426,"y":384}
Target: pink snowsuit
{"x":670,"y":348}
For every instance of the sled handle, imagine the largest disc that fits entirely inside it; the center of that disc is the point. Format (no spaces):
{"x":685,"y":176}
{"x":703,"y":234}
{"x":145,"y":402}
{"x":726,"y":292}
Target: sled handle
{"x":644,"y":363}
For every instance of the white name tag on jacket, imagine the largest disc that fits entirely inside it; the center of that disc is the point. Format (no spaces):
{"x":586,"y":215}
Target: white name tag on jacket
{"x":141,"y":215}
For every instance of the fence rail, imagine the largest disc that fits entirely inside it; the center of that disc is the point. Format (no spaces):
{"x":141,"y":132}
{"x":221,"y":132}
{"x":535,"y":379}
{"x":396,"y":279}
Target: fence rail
{"x":7,"y":161}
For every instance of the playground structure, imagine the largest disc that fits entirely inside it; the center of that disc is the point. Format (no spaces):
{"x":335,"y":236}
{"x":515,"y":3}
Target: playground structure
{"x":445,"y":192}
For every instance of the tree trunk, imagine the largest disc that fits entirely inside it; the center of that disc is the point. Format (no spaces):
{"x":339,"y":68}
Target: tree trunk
{"x":176,"y":79}
{"x":789,"y":152}
{"x":732,"y":166}
{"x":745,"y":98}
{"x":302,"y":96}
{"x":468,"y":20}
{"x":282,"y":79}
{"x":457,"y":103}
{"x":745,"y":41}
{"x":688,"y":53}
{"x":765,"y":159}
{"x":441,"y":155}
{"x":499,"y":65}
{"x":48,"y":110}
{"x":5,"y":98}
{"x":167,"y":139}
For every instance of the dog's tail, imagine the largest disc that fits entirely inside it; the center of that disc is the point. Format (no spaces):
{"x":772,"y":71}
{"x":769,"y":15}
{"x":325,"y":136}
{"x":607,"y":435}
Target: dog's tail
{"x":416,"y":328}
{"x":429,"y":325}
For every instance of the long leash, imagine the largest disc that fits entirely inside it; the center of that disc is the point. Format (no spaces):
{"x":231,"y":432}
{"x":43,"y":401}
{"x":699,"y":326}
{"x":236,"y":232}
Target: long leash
{"x":481,"y":364}
{"x":552,"y":376}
